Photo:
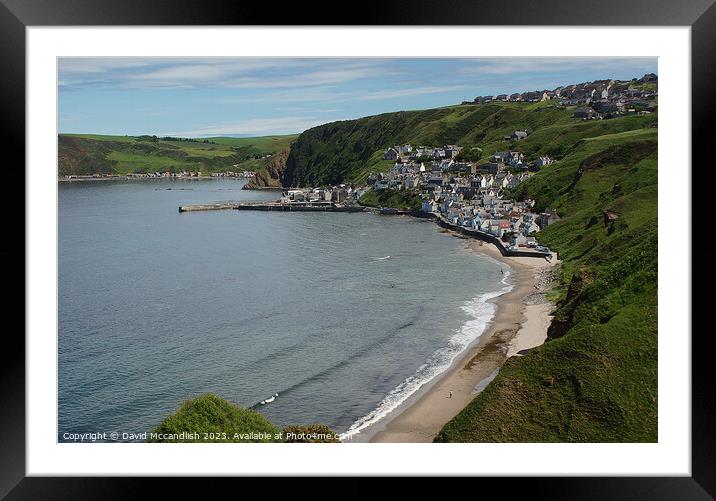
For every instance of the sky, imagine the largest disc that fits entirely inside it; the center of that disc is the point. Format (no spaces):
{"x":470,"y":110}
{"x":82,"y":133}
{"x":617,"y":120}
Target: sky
{"x":204,"y":97}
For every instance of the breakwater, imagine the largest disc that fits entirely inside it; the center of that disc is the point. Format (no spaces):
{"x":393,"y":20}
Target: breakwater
{"x":274,"y":206}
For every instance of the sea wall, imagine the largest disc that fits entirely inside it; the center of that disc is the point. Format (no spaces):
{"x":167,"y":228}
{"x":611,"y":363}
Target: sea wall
{"x":486,"y":237}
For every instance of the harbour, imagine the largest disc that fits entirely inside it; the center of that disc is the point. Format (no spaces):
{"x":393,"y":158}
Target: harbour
{"x":317,"y":206}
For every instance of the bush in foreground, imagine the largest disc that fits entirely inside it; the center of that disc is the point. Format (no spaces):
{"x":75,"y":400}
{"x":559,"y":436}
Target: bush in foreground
{"x":210,"y":418}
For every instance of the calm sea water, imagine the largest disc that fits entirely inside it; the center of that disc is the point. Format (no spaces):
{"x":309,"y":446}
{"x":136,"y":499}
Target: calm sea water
{"x":157,"y":306}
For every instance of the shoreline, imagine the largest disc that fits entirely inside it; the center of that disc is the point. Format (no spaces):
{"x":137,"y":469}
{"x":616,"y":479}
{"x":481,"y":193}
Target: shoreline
{"x":518,"y":324}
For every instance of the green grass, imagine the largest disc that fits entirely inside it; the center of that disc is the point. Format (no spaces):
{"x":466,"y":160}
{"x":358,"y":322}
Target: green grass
{"x":134,"y":162}
{"x":265,"y":143}
{"x":595,"y":383}
{"x":103,"y":137}
{"x":595,"y":379}
{"x":647,"y":86}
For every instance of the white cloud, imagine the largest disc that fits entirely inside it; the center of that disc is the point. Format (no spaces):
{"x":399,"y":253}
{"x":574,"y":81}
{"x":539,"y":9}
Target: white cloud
{"x":91,"y":65}
{"x":189,"y":73}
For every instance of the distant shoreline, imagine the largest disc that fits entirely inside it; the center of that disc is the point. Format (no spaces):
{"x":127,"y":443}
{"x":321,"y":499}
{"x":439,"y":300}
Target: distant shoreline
{"x":132,"y":178}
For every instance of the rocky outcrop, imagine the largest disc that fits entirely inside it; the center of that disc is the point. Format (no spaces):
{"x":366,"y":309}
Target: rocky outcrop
{"x":609,"y":216}
{"x":271,"y":176}
{"x":563,"y":317}
{"x":609,"y":219}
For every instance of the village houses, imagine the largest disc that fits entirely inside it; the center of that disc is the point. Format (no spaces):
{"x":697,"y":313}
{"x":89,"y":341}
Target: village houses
{"x":467,"y":194}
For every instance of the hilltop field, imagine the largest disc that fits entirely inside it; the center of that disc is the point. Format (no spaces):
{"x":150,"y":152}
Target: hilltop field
{"x":86,"y":154}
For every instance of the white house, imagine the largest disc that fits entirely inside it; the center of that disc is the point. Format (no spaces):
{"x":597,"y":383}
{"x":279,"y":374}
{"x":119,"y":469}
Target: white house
{"x":542,"y":161}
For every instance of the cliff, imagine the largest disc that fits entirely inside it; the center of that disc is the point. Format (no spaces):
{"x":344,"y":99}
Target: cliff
{"x":271,"y":175}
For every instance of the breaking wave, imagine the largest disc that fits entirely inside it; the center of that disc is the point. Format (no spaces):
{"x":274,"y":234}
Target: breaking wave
{"x":480,"y":312}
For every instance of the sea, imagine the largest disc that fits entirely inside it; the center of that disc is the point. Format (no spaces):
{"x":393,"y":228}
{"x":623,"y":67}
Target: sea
{"x":344,"y":315}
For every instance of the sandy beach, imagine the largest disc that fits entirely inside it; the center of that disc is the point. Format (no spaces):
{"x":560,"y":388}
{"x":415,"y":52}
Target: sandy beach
{"x":520,"y":323}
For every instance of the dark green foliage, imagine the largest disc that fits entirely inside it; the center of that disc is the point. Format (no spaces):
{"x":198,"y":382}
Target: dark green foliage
{"x":469,"y":154}
{"x":185,"y":139}
{"x":394,"y":199}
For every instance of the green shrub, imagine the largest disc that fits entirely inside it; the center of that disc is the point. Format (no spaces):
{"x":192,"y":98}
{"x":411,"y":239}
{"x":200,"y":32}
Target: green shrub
{"x":209,"y":418}
{"x":395,"y":199}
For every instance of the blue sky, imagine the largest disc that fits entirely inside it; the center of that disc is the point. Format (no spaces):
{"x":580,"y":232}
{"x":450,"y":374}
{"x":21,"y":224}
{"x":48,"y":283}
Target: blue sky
{"x":201,"y":97}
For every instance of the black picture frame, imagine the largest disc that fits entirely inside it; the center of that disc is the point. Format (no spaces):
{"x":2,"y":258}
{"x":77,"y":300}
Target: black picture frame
{"x":17,"y":15}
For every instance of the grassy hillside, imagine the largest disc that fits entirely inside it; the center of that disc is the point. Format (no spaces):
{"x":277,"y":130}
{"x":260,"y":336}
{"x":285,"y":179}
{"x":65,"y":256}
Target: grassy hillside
{"x":350,"y":150}
{"x":595,"y":380}
{"x":93,"y":154}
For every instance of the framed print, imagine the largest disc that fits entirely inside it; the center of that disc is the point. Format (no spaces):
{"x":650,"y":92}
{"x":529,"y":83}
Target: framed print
{"x":455,"y":249}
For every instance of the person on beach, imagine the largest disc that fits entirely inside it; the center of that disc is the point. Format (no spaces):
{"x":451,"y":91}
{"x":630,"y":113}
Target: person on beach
{"x":450,"y":396}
